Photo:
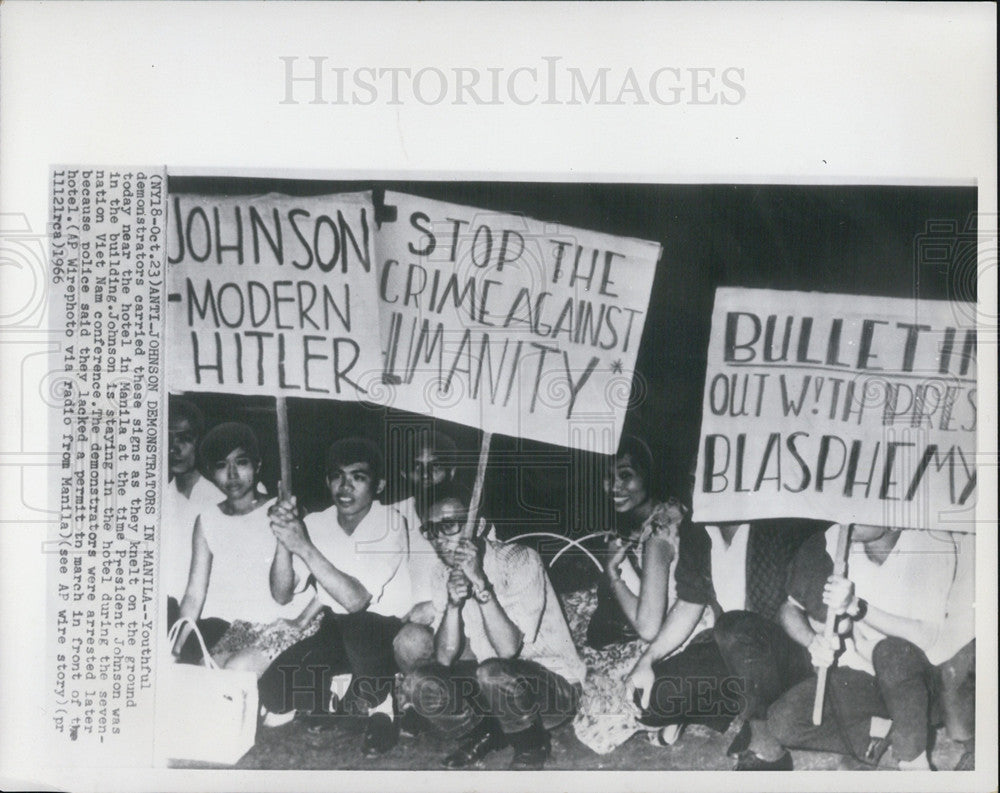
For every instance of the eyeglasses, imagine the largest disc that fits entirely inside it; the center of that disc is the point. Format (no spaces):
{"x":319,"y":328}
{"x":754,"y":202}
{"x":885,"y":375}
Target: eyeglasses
{"x":448,"y":527}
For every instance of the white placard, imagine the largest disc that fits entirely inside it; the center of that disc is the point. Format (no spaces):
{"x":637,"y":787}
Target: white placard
{"x":507,"y":323}
{"x":846,"y":408}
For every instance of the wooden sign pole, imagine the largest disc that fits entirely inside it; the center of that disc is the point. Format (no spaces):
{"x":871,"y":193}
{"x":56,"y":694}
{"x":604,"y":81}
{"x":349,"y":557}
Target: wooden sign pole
{"x":477,"y":488}
{"x":839,"y":569}
{"x":284,"y":449}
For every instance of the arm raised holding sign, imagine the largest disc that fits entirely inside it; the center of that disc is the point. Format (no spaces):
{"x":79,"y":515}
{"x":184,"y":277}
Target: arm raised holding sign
{"x":504,"y":667}
{"x":888,"y":607}
{"x":293,"y":540}
{"x":504,"y":635}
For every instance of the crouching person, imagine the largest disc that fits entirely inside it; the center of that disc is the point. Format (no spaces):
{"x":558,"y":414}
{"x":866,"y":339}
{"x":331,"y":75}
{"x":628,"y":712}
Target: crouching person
{"x":356,"y":552}
{"x":889,"y":654}
{"x":499,"y":667}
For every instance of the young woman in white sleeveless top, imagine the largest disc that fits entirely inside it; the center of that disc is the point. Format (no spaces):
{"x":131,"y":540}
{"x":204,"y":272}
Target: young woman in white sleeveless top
{"x":232,"y":550}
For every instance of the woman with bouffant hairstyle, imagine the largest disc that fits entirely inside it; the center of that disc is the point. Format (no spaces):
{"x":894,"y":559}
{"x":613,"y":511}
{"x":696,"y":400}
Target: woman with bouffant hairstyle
{"x":231,"y":554}
{"x":634,"y":593}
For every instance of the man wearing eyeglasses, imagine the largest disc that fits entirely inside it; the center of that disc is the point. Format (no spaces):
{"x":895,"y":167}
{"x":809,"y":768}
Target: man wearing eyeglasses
{"x":503,"y":669}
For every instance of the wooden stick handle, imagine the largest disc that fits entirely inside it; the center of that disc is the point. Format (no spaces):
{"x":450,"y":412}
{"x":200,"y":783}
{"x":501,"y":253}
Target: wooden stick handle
{"x":839,"y":568}
{"x":284,"y":449}
{"x":477,"y":487}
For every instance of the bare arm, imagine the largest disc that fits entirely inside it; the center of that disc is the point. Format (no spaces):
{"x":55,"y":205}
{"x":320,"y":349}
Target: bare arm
{"x":503,"y":634}
{"x":282,"y":576}
{"x":652,"y":606}
{"x":919,"y":632}
{"x":505,"y":637}
{"x":448,"y":637}
{"x":796,"y":624}
{"x":838,"y":594}
{"x":291,"y":533}
{"x":345,"y":589}
{"x":308,"y":613}
{"x":197,"y":587}
{"x":645,"y":611}
{"x":677,"y":627}
{"x":822,"y":649}
{"x":626,"y":598}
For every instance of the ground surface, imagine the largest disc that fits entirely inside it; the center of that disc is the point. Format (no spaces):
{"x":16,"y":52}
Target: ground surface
{"x":292,"y":746}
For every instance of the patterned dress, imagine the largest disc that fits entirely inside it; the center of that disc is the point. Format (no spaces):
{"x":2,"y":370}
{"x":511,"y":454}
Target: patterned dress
{"x":242,"y":547}
{"x":606,"y":718}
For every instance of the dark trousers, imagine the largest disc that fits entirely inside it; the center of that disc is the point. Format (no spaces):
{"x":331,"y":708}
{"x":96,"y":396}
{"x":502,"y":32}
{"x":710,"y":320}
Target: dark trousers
{"x":903,"y":689}
{"x":958,"y":693}
{"x":358,"y":644}
{"x":608,"y":624}
{"x":737,"y":669}
{"x":516,"y":692}
{"x":211,"y":628}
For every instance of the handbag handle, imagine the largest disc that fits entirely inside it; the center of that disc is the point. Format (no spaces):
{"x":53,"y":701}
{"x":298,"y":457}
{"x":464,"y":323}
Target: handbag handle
{"x":175,"y":630}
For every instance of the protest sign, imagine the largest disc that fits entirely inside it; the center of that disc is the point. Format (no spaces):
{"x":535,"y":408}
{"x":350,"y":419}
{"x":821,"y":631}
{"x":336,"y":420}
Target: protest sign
{"x":510,"y":324}
{"x":847,"y":408}
{"x":273,"y":295}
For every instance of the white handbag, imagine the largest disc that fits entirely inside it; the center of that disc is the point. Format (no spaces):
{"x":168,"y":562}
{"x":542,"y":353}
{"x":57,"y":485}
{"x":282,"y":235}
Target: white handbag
{"x":204,"y":713}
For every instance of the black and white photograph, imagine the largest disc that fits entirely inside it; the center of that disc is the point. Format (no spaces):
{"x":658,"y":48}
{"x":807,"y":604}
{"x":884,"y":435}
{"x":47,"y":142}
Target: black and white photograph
{"x":681,"y":566}
{"x":498,"y":396}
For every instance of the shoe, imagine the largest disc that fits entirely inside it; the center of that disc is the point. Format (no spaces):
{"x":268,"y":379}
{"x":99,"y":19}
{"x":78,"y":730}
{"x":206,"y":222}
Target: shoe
{"x":486,"y":738}
{"x":317,"y":722}
{"x":272,"y":719}
{"x":532,"y":747}
{"x":749,"y":761}
{"x":741,"y":742}
{"x":411,"y":723}
{"x":381,"y":735}
{"x":531,"y":757}
{"x":666,"y":736}
{"x":848,"y":762}
{"x":919,"y":763}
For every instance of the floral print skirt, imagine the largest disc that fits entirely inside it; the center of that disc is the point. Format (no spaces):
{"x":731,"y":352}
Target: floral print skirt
{"x":268,"y":640}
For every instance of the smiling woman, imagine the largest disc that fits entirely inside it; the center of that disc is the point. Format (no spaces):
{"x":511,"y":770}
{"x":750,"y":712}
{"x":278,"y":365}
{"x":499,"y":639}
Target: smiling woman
{"x":634,"y":596}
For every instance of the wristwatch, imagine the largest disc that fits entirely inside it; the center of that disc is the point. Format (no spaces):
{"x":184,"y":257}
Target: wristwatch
{"x":860,"y":610}
{"x":484,"y":595}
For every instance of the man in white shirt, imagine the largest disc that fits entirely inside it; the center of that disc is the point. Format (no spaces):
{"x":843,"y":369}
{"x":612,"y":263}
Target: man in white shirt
{"x":356,"y":553}
{"x":889,"y":648}
{"x":504,"y":668}
{"x":185,"y":496}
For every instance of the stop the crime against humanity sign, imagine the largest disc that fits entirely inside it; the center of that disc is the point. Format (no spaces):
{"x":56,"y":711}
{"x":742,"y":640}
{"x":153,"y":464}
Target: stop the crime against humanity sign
{"x":510,"y":324}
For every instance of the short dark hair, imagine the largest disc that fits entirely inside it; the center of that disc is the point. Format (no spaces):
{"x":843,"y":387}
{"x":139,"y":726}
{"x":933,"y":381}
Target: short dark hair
{"x":438,"y":442}
{"x":181,"y":408}
{"x":355,"y":450}
{"x":223,"y":439}
{"x":639,"y":453}
{"x":445,"y":491}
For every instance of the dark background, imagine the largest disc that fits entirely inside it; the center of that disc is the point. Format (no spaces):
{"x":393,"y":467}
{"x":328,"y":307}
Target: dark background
{"x":909,"y":242}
